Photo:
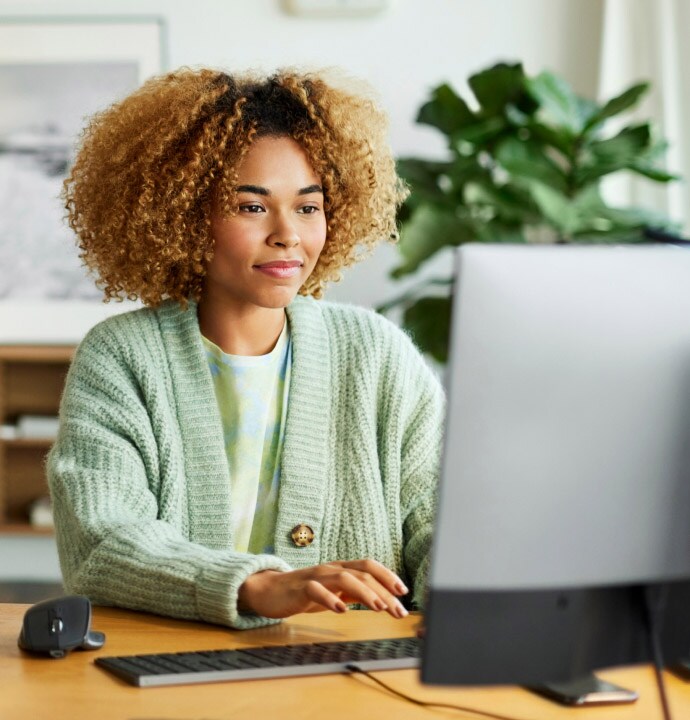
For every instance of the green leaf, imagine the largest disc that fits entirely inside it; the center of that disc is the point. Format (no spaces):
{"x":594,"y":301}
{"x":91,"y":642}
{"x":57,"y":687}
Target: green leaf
{"x":516,"y":116}
{"x":423,"y":177}
{"x":635,"y":217}
{"x":479,"y":133}
{"x":586,"y":212}
{"x":617,"y":153}
{"x":508,"y":203}
{"x":588,"y":201}
{"x":647,"y":163}
{"x":657,"y":148}
{"x":428,"y":321}
{"x":558,"y":103}
{"x":405,"y":299}
{"x":586,"y":110}
{"x":446,"y":110}
{"x":556,"y":208}
{"x":499,"y":232}
{"x":527,"y":159}
{"x":617,"y":105}
{"x":429,"y":230}
{"x":624,"y":146}
{"x":561,"y":140}
{"x":497,"y":86}
{"x":467,"y":169}
{"x":641,"y":167}
{"x":597,"y":220}
{"x":610,"y":237}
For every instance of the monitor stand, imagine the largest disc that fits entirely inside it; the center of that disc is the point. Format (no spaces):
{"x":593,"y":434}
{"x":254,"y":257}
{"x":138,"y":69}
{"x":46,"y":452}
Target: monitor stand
{"x":586,"y":690}
{"x":682,"y":669}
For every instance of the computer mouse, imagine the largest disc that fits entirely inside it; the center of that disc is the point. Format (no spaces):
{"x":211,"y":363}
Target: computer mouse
{"x":56,"y":626}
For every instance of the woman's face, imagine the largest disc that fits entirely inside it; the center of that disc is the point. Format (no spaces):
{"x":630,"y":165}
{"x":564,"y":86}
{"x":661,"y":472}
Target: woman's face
{"x":265,"y":252}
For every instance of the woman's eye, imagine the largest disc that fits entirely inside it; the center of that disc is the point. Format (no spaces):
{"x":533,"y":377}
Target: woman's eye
{"x":251,"y":208}
{"x":308,"y":209}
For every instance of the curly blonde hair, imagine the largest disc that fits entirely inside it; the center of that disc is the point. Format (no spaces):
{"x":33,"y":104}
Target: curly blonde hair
{"x":149,"y":168}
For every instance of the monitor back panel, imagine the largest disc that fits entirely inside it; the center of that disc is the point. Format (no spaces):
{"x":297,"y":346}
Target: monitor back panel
{"x":567,"y":455}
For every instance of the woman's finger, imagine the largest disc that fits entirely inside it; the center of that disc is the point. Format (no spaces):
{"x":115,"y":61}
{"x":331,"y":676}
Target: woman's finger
{"x":386,"y":577}
{"x":362,"y":588}
{"x":389,"y":598}
{"x":317,"y":593}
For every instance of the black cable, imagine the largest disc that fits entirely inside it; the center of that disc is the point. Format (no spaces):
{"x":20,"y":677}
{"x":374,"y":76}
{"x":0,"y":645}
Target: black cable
{"x":654,"y":602}
{"x":356,"y":669}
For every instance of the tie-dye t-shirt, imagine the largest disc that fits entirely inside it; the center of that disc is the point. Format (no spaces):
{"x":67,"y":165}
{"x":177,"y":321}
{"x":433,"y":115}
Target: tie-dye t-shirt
{"x":252,"y":394}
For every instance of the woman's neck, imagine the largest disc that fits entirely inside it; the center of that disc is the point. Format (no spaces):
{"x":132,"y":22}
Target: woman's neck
{"x":252,"y":331}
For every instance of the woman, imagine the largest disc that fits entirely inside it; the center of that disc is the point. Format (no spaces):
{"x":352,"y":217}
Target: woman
{"x":237,"y":451}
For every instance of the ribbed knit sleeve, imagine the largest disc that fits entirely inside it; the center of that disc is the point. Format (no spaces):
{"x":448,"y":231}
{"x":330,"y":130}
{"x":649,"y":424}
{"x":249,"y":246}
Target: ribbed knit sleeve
{"x":420,"y":463}
{"x":120,"y":492}
{"x":414,"y":404}
{"x":388,"y":412}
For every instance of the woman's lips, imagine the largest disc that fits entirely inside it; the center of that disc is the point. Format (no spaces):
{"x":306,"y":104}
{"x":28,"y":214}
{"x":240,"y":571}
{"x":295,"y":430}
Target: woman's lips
{"x":280,"y":268}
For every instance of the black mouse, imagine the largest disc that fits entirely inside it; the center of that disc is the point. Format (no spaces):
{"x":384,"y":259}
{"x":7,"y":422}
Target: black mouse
{"x":57,"y":626}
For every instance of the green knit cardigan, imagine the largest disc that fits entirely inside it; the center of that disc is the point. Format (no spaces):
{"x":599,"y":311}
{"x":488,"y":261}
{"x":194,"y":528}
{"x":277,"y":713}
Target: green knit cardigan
{"x":139,"y":476}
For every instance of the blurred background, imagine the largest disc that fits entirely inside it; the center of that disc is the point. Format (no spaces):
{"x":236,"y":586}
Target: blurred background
{"x":404,"y":49}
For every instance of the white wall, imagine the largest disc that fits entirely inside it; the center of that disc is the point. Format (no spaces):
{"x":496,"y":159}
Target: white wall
{"x":29,"y":558}
{"x":403,"y":53}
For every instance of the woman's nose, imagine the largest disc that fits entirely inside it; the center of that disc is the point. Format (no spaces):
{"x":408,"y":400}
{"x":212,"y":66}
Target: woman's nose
{"x":284,"y":234}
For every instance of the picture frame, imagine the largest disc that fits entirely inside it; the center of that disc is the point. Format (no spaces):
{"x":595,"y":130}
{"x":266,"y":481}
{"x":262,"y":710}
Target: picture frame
{"x":54,"y":73}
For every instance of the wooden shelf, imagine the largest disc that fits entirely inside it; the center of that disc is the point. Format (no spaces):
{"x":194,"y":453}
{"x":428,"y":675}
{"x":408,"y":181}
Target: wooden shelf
{"x":19,"y":528}
{"x":41,"y":443}
{"x":37,"y":353}
{"x":31,"y":381}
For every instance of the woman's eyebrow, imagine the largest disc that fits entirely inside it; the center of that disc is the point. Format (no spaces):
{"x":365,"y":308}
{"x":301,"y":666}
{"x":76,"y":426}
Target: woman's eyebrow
{"x":310,"y":189}
{"x":255,"y":189}
{"x":259,"y":190}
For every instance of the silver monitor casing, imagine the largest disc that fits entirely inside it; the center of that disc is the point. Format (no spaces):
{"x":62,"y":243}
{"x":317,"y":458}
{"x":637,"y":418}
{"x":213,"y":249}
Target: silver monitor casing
{"x":567,"y":457}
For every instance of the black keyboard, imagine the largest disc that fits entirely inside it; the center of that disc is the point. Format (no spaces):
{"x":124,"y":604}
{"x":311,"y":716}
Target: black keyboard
{"x":263,"y":662}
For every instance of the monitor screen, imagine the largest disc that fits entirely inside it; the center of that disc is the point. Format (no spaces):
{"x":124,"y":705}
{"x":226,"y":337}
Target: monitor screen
{"x":564,"y":504}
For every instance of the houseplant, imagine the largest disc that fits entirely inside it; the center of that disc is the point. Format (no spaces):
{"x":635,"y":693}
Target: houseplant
{"x":524,"y":164}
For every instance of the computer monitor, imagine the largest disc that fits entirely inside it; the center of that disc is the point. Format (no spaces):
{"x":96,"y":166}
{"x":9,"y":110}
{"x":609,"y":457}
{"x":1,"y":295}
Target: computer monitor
{"x":564,"y":503}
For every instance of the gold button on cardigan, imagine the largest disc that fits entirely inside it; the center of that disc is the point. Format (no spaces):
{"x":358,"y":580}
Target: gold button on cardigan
{"x":302,"y":535}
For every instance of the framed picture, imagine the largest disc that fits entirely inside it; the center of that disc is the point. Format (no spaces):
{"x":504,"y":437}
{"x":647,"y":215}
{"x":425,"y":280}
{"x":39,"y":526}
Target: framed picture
{"x":54,"y":74}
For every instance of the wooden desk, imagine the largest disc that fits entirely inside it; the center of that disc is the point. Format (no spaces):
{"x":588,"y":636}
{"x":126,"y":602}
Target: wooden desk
{"x":73,"y":688}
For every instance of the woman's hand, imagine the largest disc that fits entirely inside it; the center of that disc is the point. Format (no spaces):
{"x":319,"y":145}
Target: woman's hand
{"x":323,"y":587}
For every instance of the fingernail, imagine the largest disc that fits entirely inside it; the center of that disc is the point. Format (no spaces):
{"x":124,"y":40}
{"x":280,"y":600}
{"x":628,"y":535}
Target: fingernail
{"x":341,"y":608}
{"x":402,"y":612}
{"x":380,"y":604}
{"x":401,"y":588}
